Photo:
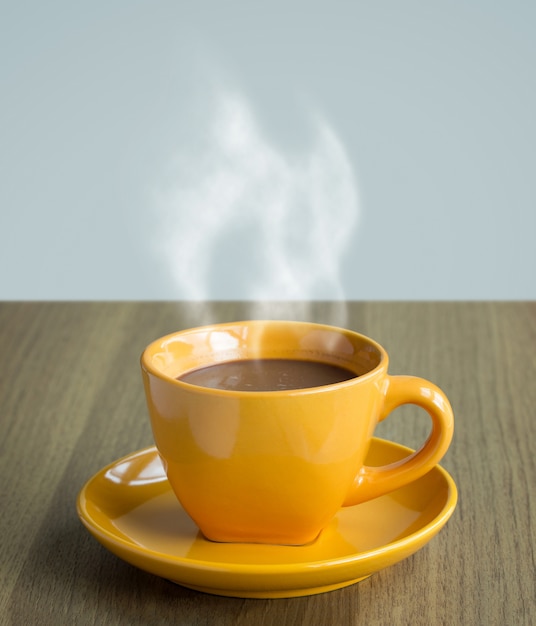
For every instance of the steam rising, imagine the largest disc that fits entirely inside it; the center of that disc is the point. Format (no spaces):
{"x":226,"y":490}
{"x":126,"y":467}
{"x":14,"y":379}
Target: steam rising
{"x":242,"y":220}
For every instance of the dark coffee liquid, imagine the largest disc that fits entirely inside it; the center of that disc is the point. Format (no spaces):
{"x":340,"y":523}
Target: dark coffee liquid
{"x":267,"y":375}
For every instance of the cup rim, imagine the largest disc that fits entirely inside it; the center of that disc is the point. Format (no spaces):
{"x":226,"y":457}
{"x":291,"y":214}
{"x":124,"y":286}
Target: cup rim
{"x":150,"y":368}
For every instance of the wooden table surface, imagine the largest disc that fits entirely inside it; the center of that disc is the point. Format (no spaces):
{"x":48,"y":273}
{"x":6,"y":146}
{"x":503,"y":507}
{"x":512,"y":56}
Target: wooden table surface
{"x":71,"y":401}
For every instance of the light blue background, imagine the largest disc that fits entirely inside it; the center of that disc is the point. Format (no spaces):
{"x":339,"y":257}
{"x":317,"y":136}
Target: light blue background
{"x":433,"y":102}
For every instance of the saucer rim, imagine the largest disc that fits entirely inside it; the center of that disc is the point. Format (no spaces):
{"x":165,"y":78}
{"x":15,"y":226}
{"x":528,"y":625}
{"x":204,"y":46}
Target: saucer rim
{"x":406,"y":545}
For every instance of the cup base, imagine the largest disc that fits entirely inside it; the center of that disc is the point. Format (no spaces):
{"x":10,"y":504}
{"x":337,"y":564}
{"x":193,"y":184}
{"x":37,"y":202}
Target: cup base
{"x":273,"y":541}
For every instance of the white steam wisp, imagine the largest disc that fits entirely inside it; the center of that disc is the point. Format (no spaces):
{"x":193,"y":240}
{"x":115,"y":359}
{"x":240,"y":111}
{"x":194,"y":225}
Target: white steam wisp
{"x":242,"y":220}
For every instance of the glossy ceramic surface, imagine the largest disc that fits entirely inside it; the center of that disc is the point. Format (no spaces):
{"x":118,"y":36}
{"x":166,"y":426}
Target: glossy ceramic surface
{"x":276,"y":466}
{"x":130,"y":508}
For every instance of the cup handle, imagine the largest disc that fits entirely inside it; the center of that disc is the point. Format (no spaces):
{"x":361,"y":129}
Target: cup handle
{"x":372,"y":482}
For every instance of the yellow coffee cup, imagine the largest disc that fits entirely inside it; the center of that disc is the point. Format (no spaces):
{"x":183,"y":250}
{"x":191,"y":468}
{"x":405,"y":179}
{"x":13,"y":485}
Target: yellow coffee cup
{"x":272,"y":464}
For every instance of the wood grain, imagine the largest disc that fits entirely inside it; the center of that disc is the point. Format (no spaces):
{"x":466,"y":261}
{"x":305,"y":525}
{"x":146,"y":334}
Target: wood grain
{"x":71,"y":401}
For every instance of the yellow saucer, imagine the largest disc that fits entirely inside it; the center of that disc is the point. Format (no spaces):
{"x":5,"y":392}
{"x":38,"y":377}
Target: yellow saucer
{"x":130,"y":508}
